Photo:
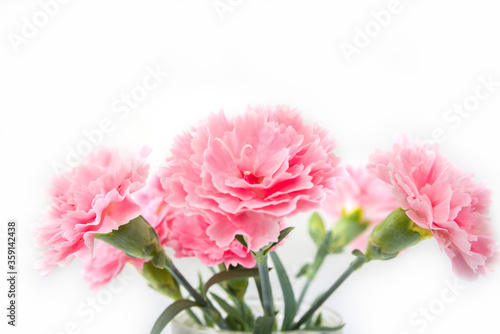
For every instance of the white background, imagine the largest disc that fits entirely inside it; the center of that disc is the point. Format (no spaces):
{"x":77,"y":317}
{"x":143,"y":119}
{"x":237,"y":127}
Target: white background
{"x":66,"y":76}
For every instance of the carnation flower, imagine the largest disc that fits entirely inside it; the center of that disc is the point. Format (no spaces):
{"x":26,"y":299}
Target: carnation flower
{"x":361,"y":200}
{"x":442,"y":198}
{"x":154,"y":207}
{"x":95,"y":197}
{"x":188,"y":237}
{"x":255,"y":169}
{"x":106,"y":264}
{"x":360,"y":190}
{"x":107,"y":261}
{"x":186,"y":234}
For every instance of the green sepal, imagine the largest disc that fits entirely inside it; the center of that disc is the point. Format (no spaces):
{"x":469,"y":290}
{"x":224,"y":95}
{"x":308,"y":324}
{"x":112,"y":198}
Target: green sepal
{"x":137,"y":239}
{"x":261,"y":255}
{"x":396,"y":233}
{"x":161,"y":280}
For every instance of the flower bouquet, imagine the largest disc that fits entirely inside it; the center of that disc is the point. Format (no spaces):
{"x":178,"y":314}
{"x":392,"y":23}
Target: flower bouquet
{"x":224,"y":196}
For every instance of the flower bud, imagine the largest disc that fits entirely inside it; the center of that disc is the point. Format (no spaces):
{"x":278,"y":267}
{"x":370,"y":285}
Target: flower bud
{"x":395,"y":233}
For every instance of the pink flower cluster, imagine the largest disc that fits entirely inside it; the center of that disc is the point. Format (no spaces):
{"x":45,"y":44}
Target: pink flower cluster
{"x":440,"y":197}
{"x":185,"y":234}
{"x":225,"y":177}
{"x":247,"y":173}
{"x":243,"y":176}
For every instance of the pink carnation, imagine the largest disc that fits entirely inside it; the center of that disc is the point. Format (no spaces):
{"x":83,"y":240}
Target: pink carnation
{"x":188,"y":237}
{"x":94,"y":197}
{"x":442,"y":198}
{"x":186,"y":234}
{"x":360,"y":190}
{"x":106,"y":264}
{"x":107,"y":261}
{"x":155,"y":209}
{"x":255,"y":169}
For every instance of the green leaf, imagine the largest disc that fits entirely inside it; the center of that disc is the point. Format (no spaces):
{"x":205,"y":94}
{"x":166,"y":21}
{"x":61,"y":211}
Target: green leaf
{"x":264,"y":325}
{"x":207,"y":316}
{"x":319,"y":320}
{"x":324,"y":329}
{"x":201,"y":285}
{"x":359,"y":253}
{"x":231,"y":275}
{"x":321,"y":254}
{"x":284,"y":232}
{"x":231,"y":311}
{"x":247,"y":311}
{"x":361,"y":259}
{"x":170,"y":313}
{"x":286,"y":288}
{"x":303,"y":270}
{"x":234,"y":324}
{"x":235,"y":287}
{"x":317,"y":229}
{"x":263,"y":252}
{"x":241,"y":240}
{"x":161,"y":280}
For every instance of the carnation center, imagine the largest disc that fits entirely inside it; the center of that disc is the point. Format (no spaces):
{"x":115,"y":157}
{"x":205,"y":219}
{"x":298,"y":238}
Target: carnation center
{"x":251,"y":178}
{"x":247,"y":175}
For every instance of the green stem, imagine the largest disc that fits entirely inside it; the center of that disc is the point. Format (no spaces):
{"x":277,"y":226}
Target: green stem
{"x":356,"y":264}
{"x":192,"y":291}
{"x":194,"y":317}
{"x":184,"y":282}
{"x":303,"y":293}
{"x":321,"y":253}
{"x":267,"y":292}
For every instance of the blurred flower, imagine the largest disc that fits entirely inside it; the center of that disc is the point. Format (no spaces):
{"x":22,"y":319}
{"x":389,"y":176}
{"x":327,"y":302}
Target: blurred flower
{"x":361,"y":200}
{"x":95,"y":197}
{"x":254,"y":169}
{"x":106,"y":264}
{"x":154,"y":208}
{"x":442,"y":198}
